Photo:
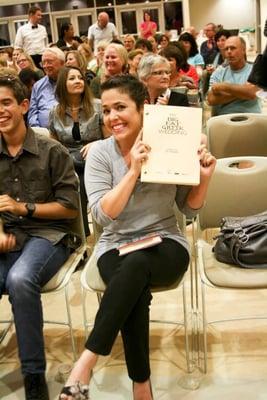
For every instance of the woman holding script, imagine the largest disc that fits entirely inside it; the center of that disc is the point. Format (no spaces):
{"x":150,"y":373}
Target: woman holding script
{"x":133,"y":215}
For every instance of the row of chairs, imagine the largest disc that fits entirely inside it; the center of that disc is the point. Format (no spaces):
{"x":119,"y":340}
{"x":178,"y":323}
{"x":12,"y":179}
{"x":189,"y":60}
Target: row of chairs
{"x":238,"y":188}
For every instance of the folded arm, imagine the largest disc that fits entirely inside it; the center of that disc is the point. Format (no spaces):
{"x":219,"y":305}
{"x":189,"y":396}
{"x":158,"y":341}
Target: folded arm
{"x":225,"y":92}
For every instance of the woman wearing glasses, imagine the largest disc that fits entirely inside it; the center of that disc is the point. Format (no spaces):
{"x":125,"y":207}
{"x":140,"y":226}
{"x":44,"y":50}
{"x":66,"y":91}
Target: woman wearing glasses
{"x":155,"y":71}
{"x":74,"y":122}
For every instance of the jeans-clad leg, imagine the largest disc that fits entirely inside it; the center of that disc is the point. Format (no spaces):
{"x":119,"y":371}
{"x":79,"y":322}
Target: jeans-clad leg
{"x":24,"y":273}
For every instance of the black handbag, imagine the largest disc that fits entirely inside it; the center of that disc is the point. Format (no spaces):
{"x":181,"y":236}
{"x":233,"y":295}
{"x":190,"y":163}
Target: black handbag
{"x":243,"y":241}
{"x":258,"y":74}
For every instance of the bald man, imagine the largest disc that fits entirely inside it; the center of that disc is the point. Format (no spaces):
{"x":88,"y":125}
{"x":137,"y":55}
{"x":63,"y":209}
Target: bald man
{"x":102,"y":30}
{"x":229,"y":90}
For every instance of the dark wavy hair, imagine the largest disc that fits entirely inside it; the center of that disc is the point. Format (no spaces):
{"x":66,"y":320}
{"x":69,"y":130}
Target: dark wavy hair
{"x":187,"y":37}
{"x":222,"y":32}
{"x":129,"y":85}
{"x":172,"y":51}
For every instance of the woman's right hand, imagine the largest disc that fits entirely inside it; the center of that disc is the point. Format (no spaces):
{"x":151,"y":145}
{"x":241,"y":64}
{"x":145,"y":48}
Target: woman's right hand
{"x":138,"y":154}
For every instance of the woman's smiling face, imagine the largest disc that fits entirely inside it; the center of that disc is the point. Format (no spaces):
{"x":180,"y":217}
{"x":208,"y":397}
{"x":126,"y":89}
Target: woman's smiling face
{"x":121,"y":116}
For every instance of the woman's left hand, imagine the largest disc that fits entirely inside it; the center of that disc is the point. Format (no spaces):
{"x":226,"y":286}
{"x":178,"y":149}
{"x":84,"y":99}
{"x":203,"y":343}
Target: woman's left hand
{"x":84,"y":150}
{"x":207,"y":162}
{"x":163,"y":100}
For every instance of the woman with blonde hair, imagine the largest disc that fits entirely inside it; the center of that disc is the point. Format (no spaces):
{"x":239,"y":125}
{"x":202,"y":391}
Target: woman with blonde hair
{"x":115,"y":63}
{"x":76,"y":59}
{"x":24,"y":60}
{"x":87,"y":52}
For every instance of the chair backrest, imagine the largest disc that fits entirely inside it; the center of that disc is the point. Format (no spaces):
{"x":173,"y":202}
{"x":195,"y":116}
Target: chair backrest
{"x":235,"y":190}
{"x":233,"y":135}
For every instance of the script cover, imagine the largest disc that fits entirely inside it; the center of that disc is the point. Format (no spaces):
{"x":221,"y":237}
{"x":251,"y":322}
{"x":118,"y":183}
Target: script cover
{"x":174,"y":136}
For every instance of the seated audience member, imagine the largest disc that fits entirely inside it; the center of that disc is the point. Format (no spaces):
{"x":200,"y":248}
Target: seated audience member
{"x":100,"y":51}
{"x":177,"y":60}
{"x":208,"y":48}
{"x":24,"y":60}
{"x":15,"y":54}
{"x":220,"y":39}
{"x":115,"y":63}
{"x":147,"y":27}
{"x":154,"y":44}
{"x":144,"y":45}
{"x":129,"y":42}
{"x":85,"y":50}
{"x":134,"y":58}
{"x":229,"y":90}
{"x":43,"y":92}
{"x":155,"y":71}
{"x":75,"y":59}
{"x":38,"y":199}
{"x":66,"y":37}
{"x":74,"y":122}
{"x":163,"y":41}
{"x":128,"y":210}
{"x":29,"y":78}
{"x":194,"y":58}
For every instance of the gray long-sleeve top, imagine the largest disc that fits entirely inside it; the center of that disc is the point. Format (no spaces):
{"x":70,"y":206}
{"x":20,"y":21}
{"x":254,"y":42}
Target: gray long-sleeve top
{"x":149,"y":209}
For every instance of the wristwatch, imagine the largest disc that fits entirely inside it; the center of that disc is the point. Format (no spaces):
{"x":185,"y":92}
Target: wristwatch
{"x":30,"y":208}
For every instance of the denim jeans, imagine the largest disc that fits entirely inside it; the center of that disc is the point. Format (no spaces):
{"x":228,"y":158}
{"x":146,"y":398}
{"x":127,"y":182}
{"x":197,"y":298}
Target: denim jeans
{"x":22,"y":274}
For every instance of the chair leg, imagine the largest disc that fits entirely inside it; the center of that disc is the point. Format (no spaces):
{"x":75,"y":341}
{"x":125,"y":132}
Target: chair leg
{"x":85,"y":322}
{"x":204,"y":327}
{"x":73,"y":345}
{"x":187,"y":351}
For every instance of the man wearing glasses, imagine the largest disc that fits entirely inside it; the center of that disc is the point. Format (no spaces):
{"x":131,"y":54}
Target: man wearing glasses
{"x":38,"y":199}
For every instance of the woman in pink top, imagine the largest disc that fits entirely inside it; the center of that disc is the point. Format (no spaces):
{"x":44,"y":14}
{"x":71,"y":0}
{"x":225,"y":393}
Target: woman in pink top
{"x":147,"y":27}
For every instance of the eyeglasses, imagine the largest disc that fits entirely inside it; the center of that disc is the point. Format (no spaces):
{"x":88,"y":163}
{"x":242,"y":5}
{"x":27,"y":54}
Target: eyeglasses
{"x":22,"y":60}
{"x":161,"y":73}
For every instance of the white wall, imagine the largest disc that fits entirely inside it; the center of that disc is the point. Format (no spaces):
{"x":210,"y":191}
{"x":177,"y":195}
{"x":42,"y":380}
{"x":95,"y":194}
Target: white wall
{"x":230,"y":13}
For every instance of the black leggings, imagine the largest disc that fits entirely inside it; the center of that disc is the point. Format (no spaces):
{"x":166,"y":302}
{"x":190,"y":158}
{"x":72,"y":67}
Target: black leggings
{"x":125,"y":303}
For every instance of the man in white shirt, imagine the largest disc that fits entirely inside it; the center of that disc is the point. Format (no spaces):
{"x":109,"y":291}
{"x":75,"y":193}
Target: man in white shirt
{"x":32,"y":37}
{"x":102,"y":30}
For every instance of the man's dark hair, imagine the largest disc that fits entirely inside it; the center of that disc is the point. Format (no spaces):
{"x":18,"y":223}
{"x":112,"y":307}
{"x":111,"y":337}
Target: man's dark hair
{"x":129,"y":85}
{"x":10,"y":80}
{"x":143,"y":44}
{"x":34,"y":9}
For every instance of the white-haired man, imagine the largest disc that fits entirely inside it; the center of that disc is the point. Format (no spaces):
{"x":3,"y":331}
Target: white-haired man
{"x":43,"y":92}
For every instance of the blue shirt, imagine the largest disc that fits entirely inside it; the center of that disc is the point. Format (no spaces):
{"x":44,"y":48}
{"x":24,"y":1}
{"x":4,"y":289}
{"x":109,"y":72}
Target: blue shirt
{"x":197,"y":59}
{"x":226,"y":74}
{"x":42,"y":101}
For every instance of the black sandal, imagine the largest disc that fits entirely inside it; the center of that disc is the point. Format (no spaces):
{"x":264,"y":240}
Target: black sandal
{"x":78,"y":391}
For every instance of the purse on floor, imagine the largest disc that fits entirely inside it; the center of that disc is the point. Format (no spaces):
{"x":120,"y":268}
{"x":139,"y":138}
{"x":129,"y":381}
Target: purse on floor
{"x":243,"y":241}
